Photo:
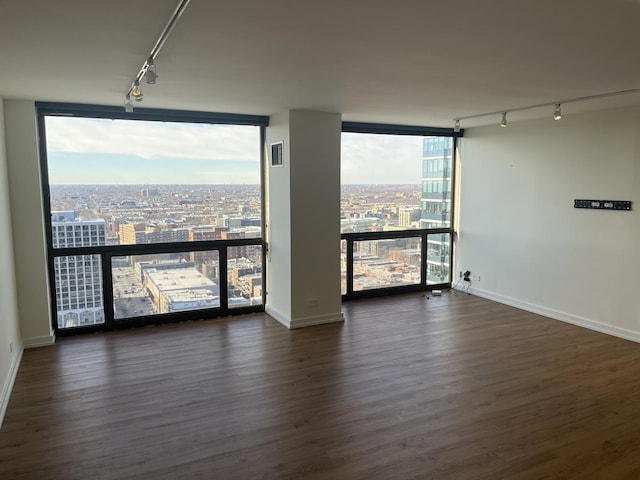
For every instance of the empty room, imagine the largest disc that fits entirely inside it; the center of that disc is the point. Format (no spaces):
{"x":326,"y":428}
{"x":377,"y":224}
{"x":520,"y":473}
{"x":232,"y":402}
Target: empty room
{"x":319,"y":240}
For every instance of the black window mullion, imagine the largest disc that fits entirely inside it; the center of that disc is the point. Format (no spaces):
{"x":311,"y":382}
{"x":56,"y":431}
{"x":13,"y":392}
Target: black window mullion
{"x":107,"y":289}
{"x":452,"y":206}
{"x":223,"y":285}
{"x":392,"y":129}
{"x":424,"y":257}
{"x":349,"y":279}
{"x":152,"y":114}
{"x":264,"y":272}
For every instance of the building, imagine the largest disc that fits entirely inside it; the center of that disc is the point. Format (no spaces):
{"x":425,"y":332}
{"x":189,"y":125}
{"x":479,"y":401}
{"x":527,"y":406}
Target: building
{"x":138,"y":233}
{"x":78,"y":278}
{"x":408,"y":217}
{"x":131,"y":233}
{"x":436,"y":182}
{"x":177,"y":286}
{"x":205,"y":259}
{"x":437,"y":192}
{"x":251,"y":252}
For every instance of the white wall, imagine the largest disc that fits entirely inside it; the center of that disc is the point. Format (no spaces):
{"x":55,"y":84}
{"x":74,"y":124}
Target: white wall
{"x":278,"y":215}
{"x":518,"y":230}
{"x":27,"y":218}
{"x":315,"y":216}
{"x":303,"y":220}
{"x":10,"y":339}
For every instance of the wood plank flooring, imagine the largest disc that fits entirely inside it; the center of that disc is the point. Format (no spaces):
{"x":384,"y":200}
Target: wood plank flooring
{"x":409,"y":387}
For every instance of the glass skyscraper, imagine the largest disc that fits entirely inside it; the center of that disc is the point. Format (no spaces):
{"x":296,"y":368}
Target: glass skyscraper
{"x":437,"y":172}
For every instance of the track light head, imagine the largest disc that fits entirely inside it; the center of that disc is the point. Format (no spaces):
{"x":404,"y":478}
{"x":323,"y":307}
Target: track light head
{"x":136,"y":91}
{"x":150,"y":75}
{"x":456,"y":126}
{"x":557,"y":113}
{"x":503,"y":123}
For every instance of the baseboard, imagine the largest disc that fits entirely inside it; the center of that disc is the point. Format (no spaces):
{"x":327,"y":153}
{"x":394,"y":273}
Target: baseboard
{"x":277,"y":316}
{"x":558,"y":315}
{"x":44,"y":341}
{"x":317,"y":320}
{"x":304,"y":321}
{"x":8,"y":384}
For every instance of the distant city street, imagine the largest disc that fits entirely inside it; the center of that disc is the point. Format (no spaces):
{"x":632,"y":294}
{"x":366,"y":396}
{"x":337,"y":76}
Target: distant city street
{"x":129,"y":295}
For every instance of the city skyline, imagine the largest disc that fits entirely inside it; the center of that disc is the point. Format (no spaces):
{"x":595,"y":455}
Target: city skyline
{"x":93,"y":151}
{"x":140,"y":213}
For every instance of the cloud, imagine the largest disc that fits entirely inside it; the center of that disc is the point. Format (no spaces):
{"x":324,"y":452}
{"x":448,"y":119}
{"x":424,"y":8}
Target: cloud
{"x":375,"y":158}
{"x":365,"y":158}
{"x":152,"y":140}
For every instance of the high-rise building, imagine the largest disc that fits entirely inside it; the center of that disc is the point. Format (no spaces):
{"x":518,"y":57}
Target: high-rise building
{"x":436,"y":182}
{"x":436,"y":204}
{"x":409,"y":216}
{"x":78,"y":278}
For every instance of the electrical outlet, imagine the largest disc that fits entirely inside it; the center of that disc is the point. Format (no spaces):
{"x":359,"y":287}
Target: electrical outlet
{"x":460,"y":273}
{"x":476,"y":278}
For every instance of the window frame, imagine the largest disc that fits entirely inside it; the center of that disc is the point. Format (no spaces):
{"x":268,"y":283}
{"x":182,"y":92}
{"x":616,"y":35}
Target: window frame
{"x":351,"y":238}
{"x":107,"y":252}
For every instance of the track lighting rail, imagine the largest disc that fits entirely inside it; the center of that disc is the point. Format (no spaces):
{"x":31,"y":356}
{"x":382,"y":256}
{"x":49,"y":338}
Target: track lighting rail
{"x":557,"y":114}
{"x":148,"y":67}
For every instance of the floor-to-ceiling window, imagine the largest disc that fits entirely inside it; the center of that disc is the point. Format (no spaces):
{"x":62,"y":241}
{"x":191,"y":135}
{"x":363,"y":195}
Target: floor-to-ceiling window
{"x":152,"y":216}
{"x":396,"y":204}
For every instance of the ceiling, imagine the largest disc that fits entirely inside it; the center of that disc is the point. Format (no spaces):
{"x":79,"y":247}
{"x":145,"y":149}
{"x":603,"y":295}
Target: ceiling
{"x":420,"y":62}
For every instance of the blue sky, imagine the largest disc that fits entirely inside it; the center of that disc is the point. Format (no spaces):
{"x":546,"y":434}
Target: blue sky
{"x":110,"y":168}
{"x":100,"y":151}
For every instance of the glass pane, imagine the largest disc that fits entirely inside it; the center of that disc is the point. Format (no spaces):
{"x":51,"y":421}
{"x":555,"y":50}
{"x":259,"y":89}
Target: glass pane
{"x":436,"y":182}
{"x":78,"y":284}
{"x":395,"y":182}
{"x":438,"y":251}
{"x":165,"y":283}
{"x":244,"y":267}
{"x":386,"y":263}
{"x":137,"y":182}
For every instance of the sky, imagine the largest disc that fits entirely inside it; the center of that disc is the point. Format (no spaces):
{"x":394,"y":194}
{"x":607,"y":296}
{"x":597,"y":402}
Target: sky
{"x":103,"y":151}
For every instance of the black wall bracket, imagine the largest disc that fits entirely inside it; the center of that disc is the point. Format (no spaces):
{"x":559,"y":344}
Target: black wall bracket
{"x":603,"y":204}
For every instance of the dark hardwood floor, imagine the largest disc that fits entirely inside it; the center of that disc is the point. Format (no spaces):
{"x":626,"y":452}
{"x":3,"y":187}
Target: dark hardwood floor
{"x":451,"y":387}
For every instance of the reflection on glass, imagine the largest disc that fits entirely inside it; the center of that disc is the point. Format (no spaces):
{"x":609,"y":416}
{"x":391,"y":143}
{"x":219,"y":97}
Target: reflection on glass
{"x":386,"y":263}
{"x":244,"y":267}
{"x":165,"y":283}
{"x":78,"y":283}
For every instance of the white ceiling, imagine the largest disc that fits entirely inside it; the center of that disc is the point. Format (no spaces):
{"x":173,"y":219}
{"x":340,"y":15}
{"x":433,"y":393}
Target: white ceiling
{"x":421,"y":62}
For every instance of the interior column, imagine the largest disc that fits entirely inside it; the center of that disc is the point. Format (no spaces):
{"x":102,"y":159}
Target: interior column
{"x":303,"y":219}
